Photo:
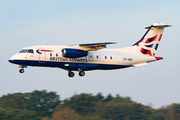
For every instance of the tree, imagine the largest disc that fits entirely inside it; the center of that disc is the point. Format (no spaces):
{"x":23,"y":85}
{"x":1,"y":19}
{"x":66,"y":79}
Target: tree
{"x":88,"y":117}
{"x":100,"y":96}
{"x":16,"y":100}
{"x":112,"y":111}
{"x":121,"y":99}
{"x":82,"y":104}
{"x":40,"y":101}
{"x":171,"y":112}
{"x":64,"y":114}
{"x":17,"y":114}
{"x":117,"y":95}
{"x":138,"y":111}
{"x":157,"y":117}
{"x":108,"y":98}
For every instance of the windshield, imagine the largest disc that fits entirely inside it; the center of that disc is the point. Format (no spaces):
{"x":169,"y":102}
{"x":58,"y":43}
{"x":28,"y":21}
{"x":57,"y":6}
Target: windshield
{"x":26,"y":51}
{"x":30,"y":51}
{"x":23,"y":51}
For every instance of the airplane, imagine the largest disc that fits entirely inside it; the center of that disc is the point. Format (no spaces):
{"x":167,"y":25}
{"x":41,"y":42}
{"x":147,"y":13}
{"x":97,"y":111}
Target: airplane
{"x":92,"y":56}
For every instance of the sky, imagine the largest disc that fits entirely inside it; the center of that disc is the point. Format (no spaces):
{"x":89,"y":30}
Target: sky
{"x":66,"y":22}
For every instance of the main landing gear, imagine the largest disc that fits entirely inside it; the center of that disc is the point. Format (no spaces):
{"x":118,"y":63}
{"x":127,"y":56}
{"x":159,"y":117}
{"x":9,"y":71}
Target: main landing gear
{"x":71,"y":74}
{"x":81,"y":73}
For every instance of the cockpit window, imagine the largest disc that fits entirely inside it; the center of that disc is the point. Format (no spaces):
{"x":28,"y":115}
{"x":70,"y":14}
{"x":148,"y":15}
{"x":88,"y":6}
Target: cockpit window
{"x":30,"y":51}
{"x":23,"y":51}
{"x":26,"y":51}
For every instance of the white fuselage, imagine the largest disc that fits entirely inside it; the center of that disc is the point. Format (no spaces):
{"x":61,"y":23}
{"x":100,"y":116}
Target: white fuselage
{"x":51,"y":56}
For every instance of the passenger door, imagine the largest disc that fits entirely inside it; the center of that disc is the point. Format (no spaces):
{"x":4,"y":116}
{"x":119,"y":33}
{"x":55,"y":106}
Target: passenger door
{"x":42,"y":56}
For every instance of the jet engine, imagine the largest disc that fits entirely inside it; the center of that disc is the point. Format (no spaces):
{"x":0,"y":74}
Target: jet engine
{"x":73,"y":53}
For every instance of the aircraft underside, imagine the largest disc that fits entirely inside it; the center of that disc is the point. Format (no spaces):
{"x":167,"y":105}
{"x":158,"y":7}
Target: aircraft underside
{"x":81,"y":67}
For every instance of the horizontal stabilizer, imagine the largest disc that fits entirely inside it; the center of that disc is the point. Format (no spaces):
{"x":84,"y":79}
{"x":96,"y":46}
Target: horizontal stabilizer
{"x":158,"y":26}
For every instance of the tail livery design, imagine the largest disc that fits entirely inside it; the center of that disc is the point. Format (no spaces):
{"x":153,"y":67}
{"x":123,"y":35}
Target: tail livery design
{"x":150,"y":41}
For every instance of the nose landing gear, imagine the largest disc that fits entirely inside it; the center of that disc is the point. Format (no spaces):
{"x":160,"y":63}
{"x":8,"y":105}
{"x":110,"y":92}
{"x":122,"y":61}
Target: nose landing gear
{"x":21,"y":70}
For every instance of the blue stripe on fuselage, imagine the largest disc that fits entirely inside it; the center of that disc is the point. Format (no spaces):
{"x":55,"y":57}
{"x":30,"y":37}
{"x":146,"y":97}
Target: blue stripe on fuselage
{"x":71,"y":66}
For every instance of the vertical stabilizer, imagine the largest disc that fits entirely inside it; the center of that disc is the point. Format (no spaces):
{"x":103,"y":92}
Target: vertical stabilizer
{"x":149,"y":42}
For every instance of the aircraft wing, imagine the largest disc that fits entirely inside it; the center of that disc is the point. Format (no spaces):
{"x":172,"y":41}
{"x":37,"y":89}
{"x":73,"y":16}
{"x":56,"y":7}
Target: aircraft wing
{"x":92,"y":46}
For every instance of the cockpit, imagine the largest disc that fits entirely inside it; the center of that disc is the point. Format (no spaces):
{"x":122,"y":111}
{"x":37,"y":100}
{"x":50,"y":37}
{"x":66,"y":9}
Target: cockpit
{"x":26,"y":51}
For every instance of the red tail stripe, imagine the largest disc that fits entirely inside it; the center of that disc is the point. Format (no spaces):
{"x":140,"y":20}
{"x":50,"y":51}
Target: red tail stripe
{"x":160,"y":37}
{"x":144,"y":51}
{"x":147,"y":40}
{"x":153,"y":39}
{"x":149,"y":52}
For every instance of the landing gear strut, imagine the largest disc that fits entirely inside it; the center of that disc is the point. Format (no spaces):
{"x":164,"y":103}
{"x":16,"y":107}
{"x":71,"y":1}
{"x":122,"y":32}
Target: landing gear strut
{"x":81,"y":72}
{"x":71,"y":74}
{"x":21,"y":70}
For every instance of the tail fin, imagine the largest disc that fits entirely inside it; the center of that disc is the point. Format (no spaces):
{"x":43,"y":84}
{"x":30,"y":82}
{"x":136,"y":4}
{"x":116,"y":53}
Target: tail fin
{"x":150,"y":41}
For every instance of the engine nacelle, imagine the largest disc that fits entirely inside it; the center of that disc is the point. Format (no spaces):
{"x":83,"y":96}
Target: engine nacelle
{"x":73,"y":53}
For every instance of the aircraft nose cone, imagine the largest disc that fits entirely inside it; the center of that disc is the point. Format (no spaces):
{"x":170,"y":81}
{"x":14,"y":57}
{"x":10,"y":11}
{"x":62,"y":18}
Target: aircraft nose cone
{"x":14,"y":59}
{"x":11,"y":60}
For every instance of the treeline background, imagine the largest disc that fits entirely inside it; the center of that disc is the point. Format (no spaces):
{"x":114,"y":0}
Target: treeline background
{"x":43,"y":105}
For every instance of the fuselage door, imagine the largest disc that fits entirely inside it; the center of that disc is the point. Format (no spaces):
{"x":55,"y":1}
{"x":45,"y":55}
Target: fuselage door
{"x":42,"y":55}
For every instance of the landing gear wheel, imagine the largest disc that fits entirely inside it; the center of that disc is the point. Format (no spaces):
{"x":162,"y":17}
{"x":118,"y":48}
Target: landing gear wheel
{"x":71,"y":74}
{"x":81,"y":73}
{"x":21,"y":70}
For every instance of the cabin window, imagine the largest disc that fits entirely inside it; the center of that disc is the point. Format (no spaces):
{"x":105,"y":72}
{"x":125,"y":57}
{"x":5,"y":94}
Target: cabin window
{"x":50,"y":54}
{"x":30,"y":51}
{"x":23,"y":51}
{"x":97,"y":56}
{"x":56,"y":54}
{"x":105,"y":57}
{"x":111,"y":57}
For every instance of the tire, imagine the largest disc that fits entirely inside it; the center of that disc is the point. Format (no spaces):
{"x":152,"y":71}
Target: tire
{"x":71,"y":74}
{"x":82,"y":73}
{"x":21,"y":70}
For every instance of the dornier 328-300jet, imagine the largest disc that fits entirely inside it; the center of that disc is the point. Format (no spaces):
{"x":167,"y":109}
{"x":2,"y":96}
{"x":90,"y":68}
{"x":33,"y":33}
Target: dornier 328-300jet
{"x":85,"y":57}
